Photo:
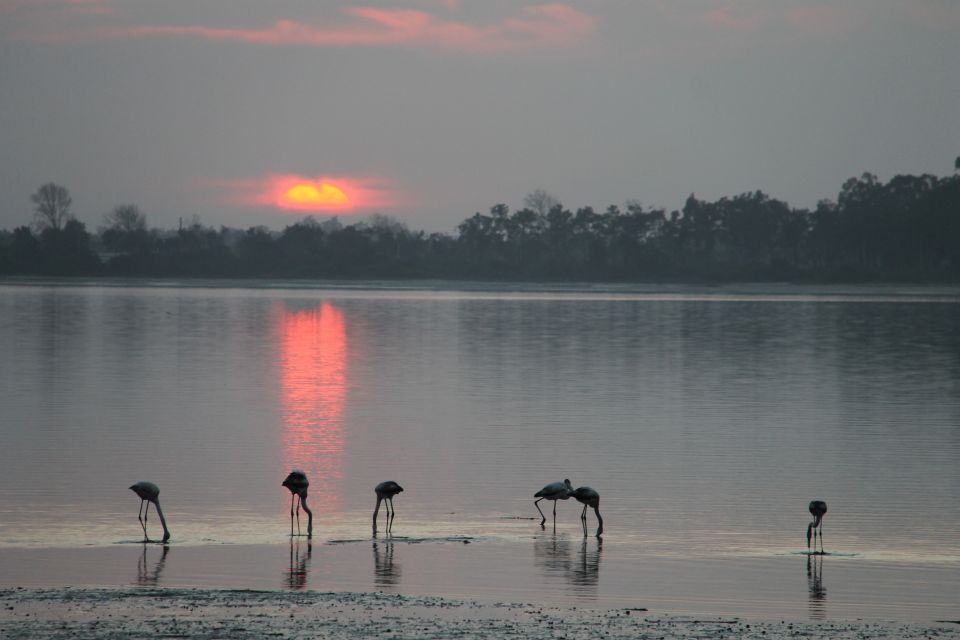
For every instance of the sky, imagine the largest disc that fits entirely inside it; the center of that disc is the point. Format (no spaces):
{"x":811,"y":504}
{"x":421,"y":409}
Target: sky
{"x":255,"y":112}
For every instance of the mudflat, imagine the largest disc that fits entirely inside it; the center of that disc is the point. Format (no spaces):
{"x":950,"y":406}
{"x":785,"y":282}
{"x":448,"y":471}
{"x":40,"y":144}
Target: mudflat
{"x":238,"y":614}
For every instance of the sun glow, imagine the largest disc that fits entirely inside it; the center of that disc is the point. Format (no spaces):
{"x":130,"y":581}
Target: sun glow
{"x":309,"y":195}
{"x":323,"y":194}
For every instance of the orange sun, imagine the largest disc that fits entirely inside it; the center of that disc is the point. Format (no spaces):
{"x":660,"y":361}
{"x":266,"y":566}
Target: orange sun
{"x":310,"y":195}
{"x":322,"y":194}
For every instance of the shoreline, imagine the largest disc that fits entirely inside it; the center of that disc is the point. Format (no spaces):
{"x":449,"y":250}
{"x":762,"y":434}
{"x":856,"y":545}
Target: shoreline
{"x":115,"y":613}
{"x":550,"y":571}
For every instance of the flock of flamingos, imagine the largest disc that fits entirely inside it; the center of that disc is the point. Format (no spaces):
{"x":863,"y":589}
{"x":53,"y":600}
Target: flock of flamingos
{"x":296,"y":481}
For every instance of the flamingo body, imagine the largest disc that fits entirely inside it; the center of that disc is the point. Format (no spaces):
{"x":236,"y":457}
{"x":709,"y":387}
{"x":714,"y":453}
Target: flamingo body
{"x":386,"y":491}
{"x":818,"y":509}
{"x":296,"y":481}
{"x":149,"y":492}
{"x":553,"y":491}
{"x":589,"y":497}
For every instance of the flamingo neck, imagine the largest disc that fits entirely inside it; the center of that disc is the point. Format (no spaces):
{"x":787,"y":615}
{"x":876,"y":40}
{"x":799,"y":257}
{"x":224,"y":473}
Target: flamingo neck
{"x":163,"y":521}
{"x":303,"y":503}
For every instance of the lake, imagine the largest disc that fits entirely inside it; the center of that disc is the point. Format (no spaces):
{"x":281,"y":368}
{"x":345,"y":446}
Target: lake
{"x":706,"y":417}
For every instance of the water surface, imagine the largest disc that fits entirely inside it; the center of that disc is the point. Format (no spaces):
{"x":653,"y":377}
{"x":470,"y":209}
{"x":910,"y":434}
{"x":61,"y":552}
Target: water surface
{"x":706,"y":418}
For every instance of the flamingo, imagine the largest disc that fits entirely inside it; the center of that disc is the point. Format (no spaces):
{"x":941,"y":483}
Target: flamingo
{"x":553,"y":491}
{"x":386,"y":491}
{"x":589,"y":498}
{"x":148,"y":493}
{"x":297,"y":483}
{"x":818,"y":508}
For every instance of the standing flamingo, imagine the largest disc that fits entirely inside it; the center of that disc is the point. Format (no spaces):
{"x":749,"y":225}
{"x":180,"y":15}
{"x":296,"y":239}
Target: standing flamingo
{"x":386,"y":491}
{"x":297,"y":483}
{"x":589,"y":498}
{"x":553,"y":491}
{"x":148,"y":493}
{"x":818,"y":508}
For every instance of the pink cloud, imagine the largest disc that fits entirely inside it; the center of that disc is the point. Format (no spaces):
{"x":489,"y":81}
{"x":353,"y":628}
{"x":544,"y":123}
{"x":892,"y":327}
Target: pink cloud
{"x":539,"y":26}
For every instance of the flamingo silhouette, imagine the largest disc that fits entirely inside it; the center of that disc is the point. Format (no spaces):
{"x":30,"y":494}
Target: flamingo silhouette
{"x":818,"y":508}
{"x":386,"y":491}
{"x":589,"y":498}
{"x":148,"y":493}
{"x":553,"y":491}
{"x":297,"y":483}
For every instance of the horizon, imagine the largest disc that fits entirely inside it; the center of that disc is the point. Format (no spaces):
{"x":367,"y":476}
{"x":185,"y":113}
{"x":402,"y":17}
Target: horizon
{"x":256,"y":115}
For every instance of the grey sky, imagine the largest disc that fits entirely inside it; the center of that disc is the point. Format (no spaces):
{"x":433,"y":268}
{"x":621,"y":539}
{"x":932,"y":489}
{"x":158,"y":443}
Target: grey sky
{"x":440,"y":108}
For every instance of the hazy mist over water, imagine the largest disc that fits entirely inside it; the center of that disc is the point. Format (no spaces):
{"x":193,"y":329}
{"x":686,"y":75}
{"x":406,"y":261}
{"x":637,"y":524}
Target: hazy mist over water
{"x":706,"y":419}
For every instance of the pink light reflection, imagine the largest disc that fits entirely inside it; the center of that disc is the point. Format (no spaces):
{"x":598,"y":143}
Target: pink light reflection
{"x":313,"y":365}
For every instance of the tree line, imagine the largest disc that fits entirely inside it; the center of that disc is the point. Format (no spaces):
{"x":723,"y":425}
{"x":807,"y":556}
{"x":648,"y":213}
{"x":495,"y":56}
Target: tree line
{"x":905,"y":229}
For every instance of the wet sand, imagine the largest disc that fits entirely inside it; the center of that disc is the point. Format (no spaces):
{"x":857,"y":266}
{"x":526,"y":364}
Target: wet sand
{"x":544,"y":586}
{"x":178,"y":613}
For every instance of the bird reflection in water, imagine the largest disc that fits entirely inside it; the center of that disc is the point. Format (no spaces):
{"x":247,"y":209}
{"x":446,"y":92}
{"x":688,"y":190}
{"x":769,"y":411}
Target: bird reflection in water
{"x":585,"y":573}
{"x":817,"y":592}
{"x":147,"y":575}
{"x":386,"y":572}
{"x":296,"y":576}
{"x":553,"y":554}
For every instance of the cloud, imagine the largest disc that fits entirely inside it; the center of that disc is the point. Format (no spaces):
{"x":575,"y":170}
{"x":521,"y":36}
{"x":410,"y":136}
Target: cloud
{"x":532,"y":27}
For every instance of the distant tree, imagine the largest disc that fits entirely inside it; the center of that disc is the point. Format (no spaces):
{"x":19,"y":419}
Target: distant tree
{"x":67,"y":251}
{"x":51,"y":207}
{"x":327,"y":226}
{"x":540,"y":201}
{"x":386,"y":223}
{"x":126,"y":218}
{"x":125,"y":229}
{"x":258,"y":252}
{"x":956,"y":164}
{"x":301,"y":246}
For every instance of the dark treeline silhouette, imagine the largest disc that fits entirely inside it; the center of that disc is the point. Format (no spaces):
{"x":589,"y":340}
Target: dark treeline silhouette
{"x":906,"y":229}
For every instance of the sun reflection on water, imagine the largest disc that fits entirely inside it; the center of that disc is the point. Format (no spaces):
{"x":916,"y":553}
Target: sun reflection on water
{"x":313,"y":363}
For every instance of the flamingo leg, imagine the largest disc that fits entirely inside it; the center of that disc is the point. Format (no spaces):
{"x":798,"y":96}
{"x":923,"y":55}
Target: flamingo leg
{"x":583,"y":520}
{"x":554,"y":514}
{"x":376,"y":510}
{"x":145,"y":513}
{"x":821,"y":537}
{"x":292,"y":496}
{"x":543,"y":518}
{"x":298,"y":514}
{"x":140,"y":519}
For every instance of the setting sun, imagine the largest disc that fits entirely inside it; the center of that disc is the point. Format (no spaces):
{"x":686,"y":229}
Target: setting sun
{"x":292,"y":193}
{"x":310,"y":195}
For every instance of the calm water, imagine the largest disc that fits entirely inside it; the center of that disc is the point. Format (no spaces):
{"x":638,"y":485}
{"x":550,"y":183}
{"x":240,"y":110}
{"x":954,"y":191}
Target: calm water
{"x":706,"y":419}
